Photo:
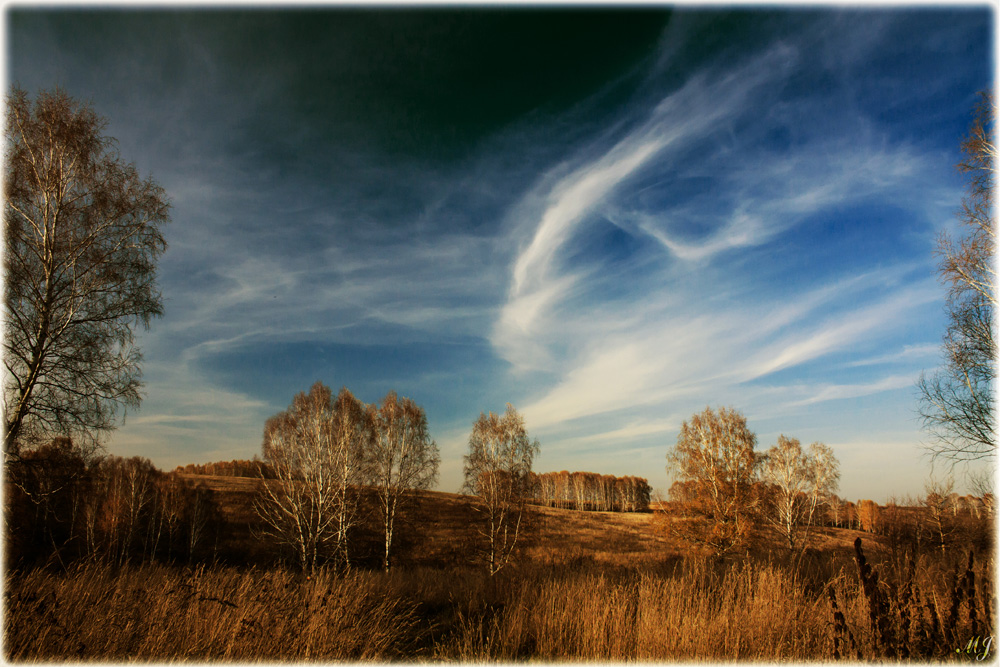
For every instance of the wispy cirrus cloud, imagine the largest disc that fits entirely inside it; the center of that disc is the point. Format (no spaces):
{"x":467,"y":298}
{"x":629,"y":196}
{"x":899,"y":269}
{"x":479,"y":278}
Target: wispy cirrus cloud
{"x":704,"y":357}
{"x":714,"y":301}
{"x":570,"y":195}
{"x":831,"y":392}
{"x":771,"y":195}
{"x":809,"y":339}
{"x":906,"y":353}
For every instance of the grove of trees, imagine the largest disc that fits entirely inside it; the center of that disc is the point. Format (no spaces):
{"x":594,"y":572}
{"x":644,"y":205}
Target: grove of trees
{"x":724,"y":487}
{"x":316,"y":452}
{"x":322,"y":452}
{"x":726,"y":493}
{"x":591,"y":491}
{"x":800,"y":481}
{"x":65,"y":503}
{"x":82,"y":238}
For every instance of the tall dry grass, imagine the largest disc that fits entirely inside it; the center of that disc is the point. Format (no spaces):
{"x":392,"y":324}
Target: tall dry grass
{"x":158,"y":613}
{"x":689,"y":609}
{"x":748,"y":612}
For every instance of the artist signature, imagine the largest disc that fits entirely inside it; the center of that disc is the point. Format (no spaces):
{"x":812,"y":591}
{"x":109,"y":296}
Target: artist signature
{"x":978,"y":647}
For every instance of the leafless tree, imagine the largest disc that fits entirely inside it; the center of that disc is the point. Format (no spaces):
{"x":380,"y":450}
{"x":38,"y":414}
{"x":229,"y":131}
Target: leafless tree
{"x":404,"y":458}
{"x":547,"y":489}
{"x":198,"y":515}
{"x":802,"y":480}
{"x":824,"y":477}
{"x":937,"y":503}
{"x":957,"y":402}
{"x":715,"y":461}
{"x":353,"y":437}
{"x":498,"y":471}
{"x":130,"y":503}
{"x":982,"y":483}
{"x":785,"y":467}
{"x":312,"y":449}
{"x":578,"y":482}
{"x":607,"y":494}
{"x":564,"y":494}
{"x":82,"y":237}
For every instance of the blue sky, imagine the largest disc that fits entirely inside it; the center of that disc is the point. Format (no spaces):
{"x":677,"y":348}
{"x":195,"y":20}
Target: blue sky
{"x":610,"y":219}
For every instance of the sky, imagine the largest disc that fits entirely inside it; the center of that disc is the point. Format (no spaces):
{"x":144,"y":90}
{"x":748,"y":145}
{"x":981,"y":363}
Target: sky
{"x":611,"y":219}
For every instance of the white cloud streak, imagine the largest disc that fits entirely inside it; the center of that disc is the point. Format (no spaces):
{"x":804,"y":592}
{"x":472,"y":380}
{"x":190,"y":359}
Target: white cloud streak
{"x":845,"y":391}
{"x":692,"y":330}
{"x":794,"y":186}
{"x":568,"y":199}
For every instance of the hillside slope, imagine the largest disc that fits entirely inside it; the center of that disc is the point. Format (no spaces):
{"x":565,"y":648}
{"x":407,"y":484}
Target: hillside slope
{"x":439,"y":529}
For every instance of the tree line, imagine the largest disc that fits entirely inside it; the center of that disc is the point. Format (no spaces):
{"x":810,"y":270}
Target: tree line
{"x":236,"y":468}
{"x":66,"y":503}
{"x":591,"y":491}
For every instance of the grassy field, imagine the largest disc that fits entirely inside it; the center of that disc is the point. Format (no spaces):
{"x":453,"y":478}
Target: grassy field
{"x":437,"y":531}
{"x":587,"y":586}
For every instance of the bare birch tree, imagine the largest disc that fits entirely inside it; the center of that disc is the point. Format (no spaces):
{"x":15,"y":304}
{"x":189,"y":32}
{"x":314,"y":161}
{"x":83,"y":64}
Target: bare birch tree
{"x":498,"y":471}
{"x":957,"y":401}
{"x":801,"y":481}
{"x":130,"y":501}
{"x":937,"y":501}
{"x":353,"y":435}
{"x":785,"y":468}
{"x":314,"y":452}
{"x":404,"y":459}
{"x":715,"y":461}
{"x":82,"y":237}
{"x":824,"y":477}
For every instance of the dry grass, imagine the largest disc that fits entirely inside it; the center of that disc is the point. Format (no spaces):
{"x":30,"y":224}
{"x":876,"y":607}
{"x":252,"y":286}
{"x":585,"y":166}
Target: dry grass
{"x":159,"y":613}
{"x":590,"y":586}
{"x":931,"y":607}
{"x":695,"y":613}
{"x":690,"y":609}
